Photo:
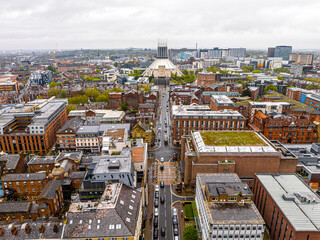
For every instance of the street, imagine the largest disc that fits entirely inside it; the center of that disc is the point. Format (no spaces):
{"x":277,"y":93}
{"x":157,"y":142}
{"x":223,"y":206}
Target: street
{"x":164,"y":150}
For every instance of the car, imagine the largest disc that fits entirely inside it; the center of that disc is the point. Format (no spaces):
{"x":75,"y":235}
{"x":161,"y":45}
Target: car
{"x":162,"y":184}
{"x":156,"y":212}
{"x":156,"y":203}
{"x":174,"y":212}
{"x":162,"y":159}
{"x":155,"y":233}
{"x":162,"y":199}
{"x":175,"y":231}
{"x":163,"y":231}
{"x":176,"y":238}
{"x":161,"y":167}
{"x":156,"y":188}
{"x":165,"y":130}
{"x":175,"y":221}
{"x":155,"y":222}
{"x":156,"y":195}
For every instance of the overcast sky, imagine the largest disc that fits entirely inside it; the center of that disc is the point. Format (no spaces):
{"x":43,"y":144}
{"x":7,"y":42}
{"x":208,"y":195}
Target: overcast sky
{"x":35,"y":24}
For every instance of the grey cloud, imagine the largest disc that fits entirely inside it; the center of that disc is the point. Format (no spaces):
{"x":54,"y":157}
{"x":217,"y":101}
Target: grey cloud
{"x":126,"y":23}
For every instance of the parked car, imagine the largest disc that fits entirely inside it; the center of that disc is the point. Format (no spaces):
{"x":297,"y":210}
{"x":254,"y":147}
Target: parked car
{"x":155,"y":222}
{"x":175,"y":220}
{"x":156,"y":212}
{"x":156,"y":195}
{"x":162,"y":159}
{"x":163,"y":231}
{"x":156,"y":203}
{"x":174,"y":212}
{"x":162,"y":199}
{"x":156,"y":188}
{"x":175,"y":231}
{"x":155,"y":233}
{"x":162,"y":184}
{"x":161,"y":167}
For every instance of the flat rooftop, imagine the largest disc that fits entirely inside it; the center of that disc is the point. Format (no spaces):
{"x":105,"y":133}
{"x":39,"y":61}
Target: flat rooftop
{"x":232,"y":138}
{"x":222,"y":100}
{"x":302,"y":215}
{"x":203,"y":111}
{"x":231,"y":141}
{"x":233,"y":213}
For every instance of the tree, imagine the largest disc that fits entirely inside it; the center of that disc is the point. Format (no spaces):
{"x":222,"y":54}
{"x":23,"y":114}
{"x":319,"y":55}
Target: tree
{"x":256,"y":71}
{"x":270,"y":87}
{"x":246,"y":92}
{"x":54,"y":92}
{"x":52,"y":84}
{"x":145,"y":87}
{"x":280,"y":78}
{"x":116,"y":89}
{"x":63,"y":94}
{"x":190,"y":233}
{"x":312,"y":87}
{"x":123,"y":106}
{"x":247,"y":68}
{"x":70,"y":107}
{"x":242,"y":83}
{"x":102,"y":98}
{"x":92,"y":93}
{"x":81,"y":99}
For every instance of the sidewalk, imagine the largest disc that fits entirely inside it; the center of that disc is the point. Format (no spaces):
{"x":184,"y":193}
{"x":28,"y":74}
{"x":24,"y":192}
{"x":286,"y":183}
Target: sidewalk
{"x":185,"y":192}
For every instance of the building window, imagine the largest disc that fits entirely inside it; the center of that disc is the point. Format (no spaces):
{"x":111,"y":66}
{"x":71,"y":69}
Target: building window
{"x":232,"y":199}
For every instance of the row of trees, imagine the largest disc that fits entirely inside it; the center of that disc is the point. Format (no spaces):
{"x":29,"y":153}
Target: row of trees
{"x":93,"y":95}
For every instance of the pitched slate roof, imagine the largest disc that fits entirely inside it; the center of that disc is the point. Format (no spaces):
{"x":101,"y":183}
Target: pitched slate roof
{"x":50,"y":189}
{"x":24,"y":177}
{"x":14,"y":207}
{"x":12,"y":161}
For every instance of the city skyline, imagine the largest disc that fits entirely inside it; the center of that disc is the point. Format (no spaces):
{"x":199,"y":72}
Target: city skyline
{"x":125,"y":24}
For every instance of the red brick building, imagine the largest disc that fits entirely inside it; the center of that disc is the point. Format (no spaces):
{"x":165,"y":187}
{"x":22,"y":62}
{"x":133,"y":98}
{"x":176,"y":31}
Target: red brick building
{"x":221,"y":102}
{"x":115,"y":100}
{"x":32,"y":128}
{"x":50,"y":199}
{"x":24,"y":184}
{"x":66,"y":136}
{"x":286,"y":128}
{"x":295,"y":93}
{"x":288,"y":206}
{"x":188,"y":118}
{"x":206,"y":79}
{"x":233,"y":152}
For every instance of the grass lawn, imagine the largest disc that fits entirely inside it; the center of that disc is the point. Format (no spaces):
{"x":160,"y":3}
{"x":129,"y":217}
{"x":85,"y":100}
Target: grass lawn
{"x":188,"y":213}
{"x":195,"y":211}
{"x":232,"y":138}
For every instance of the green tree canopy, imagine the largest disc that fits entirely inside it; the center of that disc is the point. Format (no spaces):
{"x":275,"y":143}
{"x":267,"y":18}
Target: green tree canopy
{"x":190,"y":233}
{"x":52,"y":84}
{"x":123,"y":106}
{"x":312,"y":87}
{"x":270,"y":87}
{"x":70,"y":107}
{"x":256,"y":71}
{"x":63,"y":94}
{"x":242,"y":83}
{"x":92,"y":93}
{"x":81,"y":99}
{"x":54,"y":92}
{"x":247,"y":68}
{"x":145,"y":87}
{"x":280,"y":78}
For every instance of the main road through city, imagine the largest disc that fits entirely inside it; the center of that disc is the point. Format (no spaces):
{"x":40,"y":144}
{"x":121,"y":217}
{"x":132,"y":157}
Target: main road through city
{"x":165,"y":151}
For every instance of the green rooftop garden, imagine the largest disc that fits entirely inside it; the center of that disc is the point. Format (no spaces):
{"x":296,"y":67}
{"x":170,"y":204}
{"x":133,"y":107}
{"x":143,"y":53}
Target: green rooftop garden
{"x":232,"y":138}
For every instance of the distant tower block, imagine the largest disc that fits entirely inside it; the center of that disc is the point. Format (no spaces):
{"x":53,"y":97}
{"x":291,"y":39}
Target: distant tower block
{"x":162,"y":50}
